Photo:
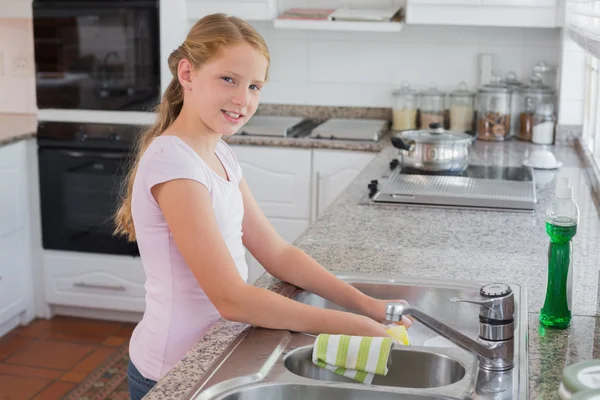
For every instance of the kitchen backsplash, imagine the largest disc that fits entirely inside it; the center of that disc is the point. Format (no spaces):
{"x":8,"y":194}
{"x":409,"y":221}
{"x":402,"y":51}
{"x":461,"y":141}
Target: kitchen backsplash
{"x":361,"y":69}
{"x":17,"y":69}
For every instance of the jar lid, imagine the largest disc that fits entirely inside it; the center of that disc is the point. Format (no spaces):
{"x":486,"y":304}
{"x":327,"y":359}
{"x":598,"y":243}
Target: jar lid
{"x":462,"y":91}
{"x":433,"y":91}
{"x":593,"y":394}
{"x":512,"y":81}
{"x":435,"y":134}
{"x":496,"y":85}
{"x":581,"y":376}
{"x":543,"y":66}
{"x":536,"y":86}
{"x":405,"y":90}
{"x":545,"y":109}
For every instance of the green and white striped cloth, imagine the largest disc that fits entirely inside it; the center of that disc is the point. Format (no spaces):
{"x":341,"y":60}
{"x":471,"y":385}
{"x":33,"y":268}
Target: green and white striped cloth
{"x":355,"y":357}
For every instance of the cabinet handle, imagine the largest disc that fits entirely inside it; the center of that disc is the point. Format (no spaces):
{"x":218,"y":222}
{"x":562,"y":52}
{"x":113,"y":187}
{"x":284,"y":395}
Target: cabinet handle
{"x":94,"y":286}
{"x":318,"y":194}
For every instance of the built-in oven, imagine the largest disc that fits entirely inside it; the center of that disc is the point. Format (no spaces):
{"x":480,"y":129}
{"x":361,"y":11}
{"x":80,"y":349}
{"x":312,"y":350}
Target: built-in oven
{"x":81,"y":171}
{"x":97,"y":54}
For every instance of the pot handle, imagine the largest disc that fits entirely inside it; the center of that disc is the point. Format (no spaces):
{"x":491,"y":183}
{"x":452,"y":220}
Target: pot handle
{"x":401,"y":144}
{"x":475,"y":135}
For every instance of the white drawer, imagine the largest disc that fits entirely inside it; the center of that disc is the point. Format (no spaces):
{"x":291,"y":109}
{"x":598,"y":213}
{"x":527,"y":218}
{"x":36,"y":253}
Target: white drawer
{"x":94,"y":280}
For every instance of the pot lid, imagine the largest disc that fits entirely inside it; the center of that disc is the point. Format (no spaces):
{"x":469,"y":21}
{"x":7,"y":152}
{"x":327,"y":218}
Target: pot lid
{"x":435,"y":134}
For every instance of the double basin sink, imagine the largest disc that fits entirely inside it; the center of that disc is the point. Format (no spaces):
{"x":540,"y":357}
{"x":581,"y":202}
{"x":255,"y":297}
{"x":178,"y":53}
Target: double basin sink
{"x":277,"y":364}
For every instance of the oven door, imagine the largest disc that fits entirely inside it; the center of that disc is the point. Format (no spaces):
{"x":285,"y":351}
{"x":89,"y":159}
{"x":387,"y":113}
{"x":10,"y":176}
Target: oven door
{"x":96,"y":55}
{"x":79,"y":192}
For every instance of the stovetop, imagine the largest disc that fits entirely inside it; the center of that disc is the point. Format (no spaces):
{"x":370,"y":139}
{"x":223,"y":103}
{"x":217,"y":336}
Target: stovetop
{"x":480,"y":187}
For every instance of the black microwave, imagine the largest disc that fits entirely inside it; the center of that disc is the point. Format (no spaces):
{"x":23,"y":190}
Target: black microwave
{"x":97,"y":55}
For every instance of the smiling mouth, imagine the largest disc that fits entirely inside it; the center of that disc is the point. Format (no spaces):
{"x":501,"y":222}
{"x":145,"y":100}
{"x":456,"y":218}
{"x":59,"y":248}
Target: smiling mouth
{"x":232,"y":114}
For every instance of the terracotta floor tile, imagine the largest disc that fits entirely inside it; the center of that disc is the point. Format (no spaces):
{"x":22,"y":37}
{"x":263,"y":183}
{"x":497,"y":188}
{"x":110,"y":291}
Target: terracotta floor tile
{"x":93,"y":360}
{"x":51,"y":354}
{"x":126,"y":330}
{"x":84,"y":330}
{"x":73,"y":376}
{"x":115,"y":341}
{"x":55,"y":391}
{"x":29,"y":372}
{"x":19,"y":388}
{"x":13,"y":343}
{"x":37,"y":328}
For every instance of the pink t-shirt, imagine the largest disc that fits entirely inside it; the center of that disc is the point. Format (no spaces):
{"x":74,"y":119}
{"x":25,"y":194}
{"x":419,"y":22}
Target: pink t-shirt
{"x":178,"y":312}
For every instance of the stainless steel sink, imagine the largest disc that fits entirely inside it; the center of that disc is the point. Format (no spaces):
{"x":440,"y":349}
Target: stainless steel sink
{"x":303,"y":392}
{"x":408,"y":368}
{"x":265,"y":363}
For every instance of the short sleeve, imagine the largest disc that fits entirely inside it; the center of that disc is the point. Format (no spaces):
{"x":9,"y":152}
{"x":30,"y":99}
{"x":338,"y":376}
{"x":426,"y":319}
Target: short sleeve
{"x":171,"y":161}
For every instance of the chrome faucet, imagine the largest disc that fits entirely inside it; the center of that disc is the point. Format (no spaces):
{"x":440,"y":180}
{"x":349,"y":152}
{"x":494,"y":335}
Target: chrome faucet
{"x":495,"y":345}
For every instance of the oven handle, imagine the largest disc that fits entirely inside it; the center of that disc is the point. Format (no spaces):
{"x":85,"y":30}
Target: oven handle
{"x":106,"y":155}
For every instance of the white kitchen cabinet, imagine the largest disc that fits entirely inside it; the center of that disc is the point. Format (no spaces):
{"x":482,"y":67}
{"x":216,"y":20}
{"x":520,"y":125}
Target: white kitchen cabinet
{"x":251,"y":10}
{"x":507,"y":13}
{"x":99,"y":281}
{"x":279,"y":179}
{"x":16,"y":295}
{"x":333,"y":170}
{"x":289,"y":229}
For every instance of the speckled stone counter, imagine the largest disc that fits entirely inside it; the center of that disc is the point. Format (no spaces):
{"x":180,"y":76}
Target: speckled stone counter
{"x":308,"y":143}
{"x":449,"y":244}
{"x":14,"y":127}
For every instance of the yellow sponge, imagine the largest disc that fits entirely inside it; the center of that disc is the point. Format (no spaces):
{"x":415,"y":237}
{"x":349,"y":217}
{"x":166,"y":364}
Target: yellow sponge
{"x":399,"y":334}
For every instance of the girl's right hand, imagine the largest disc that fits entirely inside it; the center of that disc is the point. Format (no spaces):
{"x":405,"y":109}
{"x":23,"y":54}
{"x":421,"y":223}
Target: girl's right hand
{"x":373,"y":328}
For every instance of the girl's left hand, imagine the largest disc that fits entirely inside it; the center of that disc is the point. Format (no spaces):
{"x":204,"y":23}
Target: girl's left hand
{"x":379,"y":315}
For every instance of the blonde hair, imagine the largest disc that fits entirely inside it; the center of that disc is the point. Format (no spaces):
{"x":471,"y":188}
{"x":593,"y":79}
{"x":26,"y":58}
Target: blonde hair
{"x":206,"y":39}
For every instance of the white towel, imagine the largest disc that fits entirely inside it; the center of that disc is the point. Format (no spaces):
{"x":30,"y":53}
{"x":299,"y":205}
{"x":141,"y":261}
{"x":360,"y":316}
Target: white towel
{"x":356,"y":357}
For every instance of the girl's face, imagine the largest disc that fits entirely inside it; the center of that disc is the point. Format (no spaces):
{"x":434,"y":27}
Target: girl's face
{"x":225,"y":91}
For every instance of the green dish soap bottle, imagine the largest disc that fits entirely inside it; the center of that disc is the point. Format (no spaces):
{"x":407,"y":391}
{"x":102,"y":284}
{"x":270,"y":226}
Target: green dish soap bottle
{"x":561,"y":225}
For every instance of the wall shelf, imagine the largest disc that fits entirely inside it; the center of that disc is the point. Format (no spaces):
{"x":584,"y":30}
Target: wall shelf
{"x":357,"y":26}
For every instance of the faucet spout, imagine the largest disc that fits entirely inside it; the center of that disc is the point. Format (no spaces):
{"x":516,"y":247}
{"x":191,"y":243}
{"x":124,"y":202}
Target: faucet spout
{"x":493,"y":355}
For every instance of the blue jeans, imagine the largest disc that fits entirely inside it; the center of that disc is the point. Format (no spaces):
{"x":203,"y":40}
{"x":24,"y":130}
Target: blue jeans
{"x":138,"y":385}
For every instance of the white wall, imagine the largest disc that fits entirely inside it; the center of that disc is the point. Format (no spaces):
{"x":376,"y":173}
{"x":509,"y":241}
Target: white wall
{"x":572,"y":83}
{"x":362,"y":69}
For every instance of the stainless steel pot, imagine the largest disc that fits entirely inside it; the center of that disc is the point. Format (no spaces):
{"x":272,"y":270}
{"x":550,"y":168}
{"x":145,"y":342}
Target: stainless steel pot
{"x":434,"y":149}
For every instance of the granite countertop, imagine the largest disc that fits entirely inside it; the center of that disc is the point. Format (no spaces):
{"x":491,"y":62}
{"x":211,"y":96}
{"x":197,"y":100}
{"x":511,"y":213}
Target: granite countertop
{"x":309,"y":143}
{"x":14,"y":127}
{"x":449,"y":244}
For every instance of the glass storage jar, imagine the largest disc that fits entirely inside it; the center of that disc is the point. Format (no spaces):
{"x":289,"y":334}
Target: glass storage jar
{"x":544,"y":123}
{"x":531,"y":97}
{"x":405,"y":108}
{"x":547,"y":73}
{"x":515,"y":86}
{"x":493,"y":112}
{"x":432,"y":104}
{"x":462,"y":109}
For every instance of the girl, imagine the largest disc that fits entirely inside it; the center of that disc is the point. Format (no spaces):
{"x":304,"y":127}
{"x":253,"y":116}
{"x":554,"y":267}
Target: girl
{"x":191,"y":212}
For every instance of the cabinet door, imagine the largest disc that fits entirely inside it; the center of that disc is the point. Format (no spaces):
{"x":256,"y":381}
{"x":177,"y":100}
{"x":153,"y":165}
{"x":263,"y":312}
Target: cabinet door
{"x":501,"y":13}
{"x":334,"y":170}
{"x":519,"y":3}
{"x":446,"y":2}
{"x":279,"y":179}
{"x":289,"y":229}
{"x":14,"y":242}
